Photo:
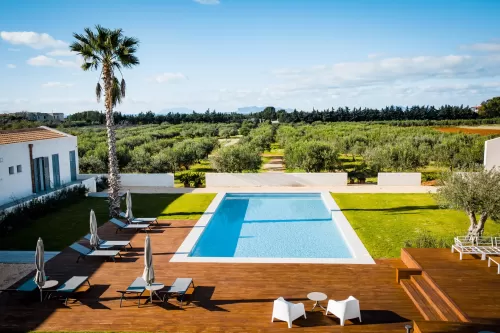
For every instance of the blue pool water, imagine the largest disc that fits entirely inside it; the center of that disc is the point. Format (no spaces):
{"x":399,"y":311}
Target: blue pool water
{"x":272,"y":226}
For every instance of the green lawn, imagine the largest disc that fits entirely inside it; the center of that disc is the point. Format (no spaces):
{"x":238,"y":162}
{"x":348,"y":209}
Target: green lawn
{"x":61,"y":228}
{"x":384,"y":221}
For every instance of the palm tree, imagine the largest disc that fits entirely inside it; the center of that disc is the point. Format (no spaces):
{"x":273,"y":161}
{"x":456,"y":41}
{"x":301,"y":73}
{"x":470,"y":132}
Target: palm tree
{"x":110,"y":51}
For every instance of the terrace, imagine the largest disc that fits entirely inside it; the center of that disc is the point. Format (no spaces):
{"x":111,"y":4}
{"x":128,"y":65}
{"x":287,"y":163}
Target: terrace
{"x":238,"y":296}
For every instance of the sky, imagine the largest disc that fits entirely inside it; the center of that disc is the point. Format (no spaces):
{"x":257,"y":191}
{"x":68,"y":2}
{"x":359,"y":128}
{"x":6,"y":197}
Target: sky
{"x":226,"y":54}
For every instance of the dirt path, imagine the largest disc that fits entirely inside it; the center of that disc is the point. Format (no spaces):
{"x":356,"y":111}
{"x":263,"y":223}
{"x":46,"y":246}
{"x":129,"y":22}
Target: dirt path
{"x":274,"y":165}
{"x":228,"y":142}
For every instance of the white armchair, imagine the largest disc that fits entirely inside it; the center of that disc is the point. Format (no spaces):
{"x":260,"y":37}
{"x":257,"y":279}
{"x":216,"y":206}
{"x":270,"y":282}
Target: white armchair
{"x":346,"y":309}
{"x":287,"y":311}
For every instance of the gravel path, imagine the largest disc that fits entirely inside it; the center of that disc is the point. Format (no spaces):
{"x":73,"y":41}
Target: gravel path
{"x":11,"y":273}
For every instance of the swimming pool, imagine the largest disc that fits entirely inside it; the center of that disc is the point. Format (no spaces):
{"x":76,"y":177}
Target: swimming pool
{"x":273,"y":227}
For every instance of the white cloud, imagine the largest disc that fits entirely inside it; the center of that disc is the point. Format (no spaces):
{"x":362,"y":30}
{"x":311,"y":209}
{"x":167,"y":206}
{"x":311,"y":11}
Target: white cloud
{"x":374,"y":55}
{"x":208,"y":2}
{"x":486,"y":47}
{"x":13,"y":50}
{"x":32,"y":39}
{"x":11,"y":66}
{"x":44,"y":61}
{"x":391,"y":70}
{"x":170,"y":78}
{"x":57,"y":85}
{"x":61,"y":53}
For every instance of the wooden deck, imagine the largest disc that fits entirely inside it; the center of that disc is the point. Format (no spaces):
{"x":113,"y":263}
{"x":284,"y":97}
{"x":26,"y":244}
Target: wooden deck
{"x":469,"y":283}
{"x":227,"y":298}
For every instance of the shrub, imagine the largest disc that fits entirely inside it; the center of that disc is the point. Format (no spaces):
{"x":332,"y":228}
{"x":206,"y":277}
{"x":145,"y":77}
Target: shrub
{"x":425,"y":239}
{"x":26,"y":213}
{"x":101,"y":183}
{"x":311,"y":156}
{"x":92,"y":164}
{"x":236,"y":158}
{"x":191,"y":179}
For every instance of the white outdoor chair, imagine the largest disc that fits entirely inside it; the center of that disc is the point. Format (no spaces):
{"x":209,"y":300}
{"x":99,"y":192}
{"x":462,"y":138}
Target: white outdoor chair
{"x":346,"y":309}
{"x":287,"y":311}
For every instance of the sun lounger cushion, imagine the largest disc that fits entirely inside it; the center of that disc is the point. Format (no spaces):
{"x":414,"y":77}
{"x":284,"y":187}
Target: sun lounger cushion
{"x":72,"y":284}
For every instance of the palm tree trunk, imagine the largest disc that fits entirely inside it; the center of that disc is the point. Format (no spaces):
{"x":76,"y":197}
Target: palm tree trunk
{"x":113,"y":173}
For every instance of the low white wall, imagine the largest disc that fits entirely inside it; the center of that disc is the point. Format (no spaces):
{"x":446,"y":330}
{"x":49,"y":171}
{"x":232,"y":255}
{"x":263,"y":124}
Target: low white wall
{"x":89,"y":183}
{"x":492,"y":154}
{"x":399,"y":178}
{"x":41,"y":197}
{"x":141,"y":179}
{"x":275,"y":179}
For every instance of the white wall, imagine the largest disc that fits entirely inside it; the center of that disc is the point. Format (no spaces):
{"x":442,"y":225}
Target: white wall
{"x":275,"y":179}
{"x":140,"y":179}
{"x":492,"y":154}
{"x":399,"y":178}
{"x":19,"y":185}
{"x":90,"y":184}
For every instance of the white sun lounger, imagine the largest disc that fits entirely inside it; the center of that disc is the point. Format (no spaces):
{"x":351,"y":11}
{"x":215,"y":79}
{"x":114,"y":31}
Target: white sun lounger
{"x":123,"y":226}
{"x":140,"y":219}
{"x":86,"y":252}
{"x":105,"y":244}
{"x":484,"y":247}
{"x":494,"y":260}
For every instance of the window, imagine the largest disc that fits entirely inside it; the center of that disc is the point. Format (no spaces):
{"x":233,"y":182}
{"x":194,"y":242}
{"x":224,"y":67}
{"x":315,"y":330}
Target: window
{"x":19,"y":168}
{"x":11,"y":170}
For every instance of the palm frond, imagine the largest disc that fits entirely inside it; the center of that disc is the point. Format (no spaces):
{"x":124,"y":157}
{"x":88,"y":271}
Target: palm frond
{"x":88,"y":66}
{"x":98,"y":91}
{"x":122,"y":88}
{"x":129,"y":42}
{"x":107,"y":48}
{"x":116,"y":95}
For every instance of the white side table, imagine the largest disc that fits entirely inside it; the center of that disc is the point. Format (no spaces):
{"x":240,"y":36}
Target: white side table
{"x":49,"y":284}
{"x":317,"y":297}
{"x":153,"y":288}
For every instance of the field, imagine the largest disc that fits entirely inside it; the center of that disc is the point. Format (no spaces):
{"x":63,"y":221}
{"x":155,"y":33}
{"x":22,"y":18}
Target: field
{"x":361,"y":149}
{"x":481,"y":130}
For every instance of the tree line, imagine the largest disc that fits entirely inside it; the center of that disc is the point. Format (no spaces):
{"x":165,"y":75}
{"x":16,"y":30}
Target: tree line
{"x":341,"y":114}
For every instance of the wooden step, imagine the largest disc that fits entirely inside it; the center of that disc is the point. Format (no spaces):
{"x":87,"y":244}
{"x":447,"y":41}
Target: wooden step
{"x":439,"y":305}
{"x":420,"y":301}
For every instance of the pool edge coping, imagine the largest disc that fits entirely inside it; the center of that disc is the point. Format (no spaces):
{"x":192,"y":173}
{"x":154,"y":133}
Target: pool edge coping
{"x":356,"y":246}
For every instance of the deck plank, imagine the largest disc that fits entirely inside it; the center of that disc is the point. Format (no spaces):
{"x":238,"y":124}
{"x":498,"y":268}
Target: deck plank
{"x":228,"y":297}
{"x":470,"y":283}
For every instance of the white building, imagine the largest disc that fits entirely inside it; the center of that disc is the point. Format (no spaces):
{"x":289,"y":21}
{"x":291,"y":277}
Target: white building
{"x":492,"y":154}
{"x":35,"y":161}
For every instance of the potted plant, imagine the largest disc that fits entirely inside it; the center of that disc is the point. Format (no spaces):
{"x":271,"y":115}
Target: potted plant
{"x":185,"y":179}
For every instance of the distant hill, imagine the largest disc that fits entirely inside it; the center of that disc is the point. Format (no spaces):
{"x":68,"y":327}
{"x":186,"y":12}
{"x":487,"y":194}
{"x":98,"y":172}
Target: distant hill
{"x":254,"y":109}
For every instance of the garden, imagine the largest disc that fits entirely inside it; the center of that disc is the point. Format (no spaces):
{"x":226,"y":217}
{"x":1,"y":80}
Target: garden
{"x":361,"y":149}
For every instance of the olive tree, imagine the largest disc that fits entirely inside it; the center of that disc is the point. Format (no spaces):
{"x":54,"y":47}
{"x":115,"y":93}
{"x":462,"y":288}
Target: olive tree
{"x":236,"y":158}
{"x":312,"y":156}
{"x":477,"y":193}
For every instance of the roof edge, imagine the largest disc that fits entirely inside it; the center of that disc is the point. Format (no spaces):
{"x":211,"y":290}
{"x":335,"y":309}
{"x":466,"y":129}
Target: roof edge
{"x":56,"y":131}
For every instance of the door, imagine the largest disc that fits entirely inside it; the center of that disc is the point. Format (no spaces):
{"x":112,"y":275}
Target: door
{"x":55,"y":170}
{"x":46,"y":174}
{"x":42,"y":174}
{"x":72,"y":165}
